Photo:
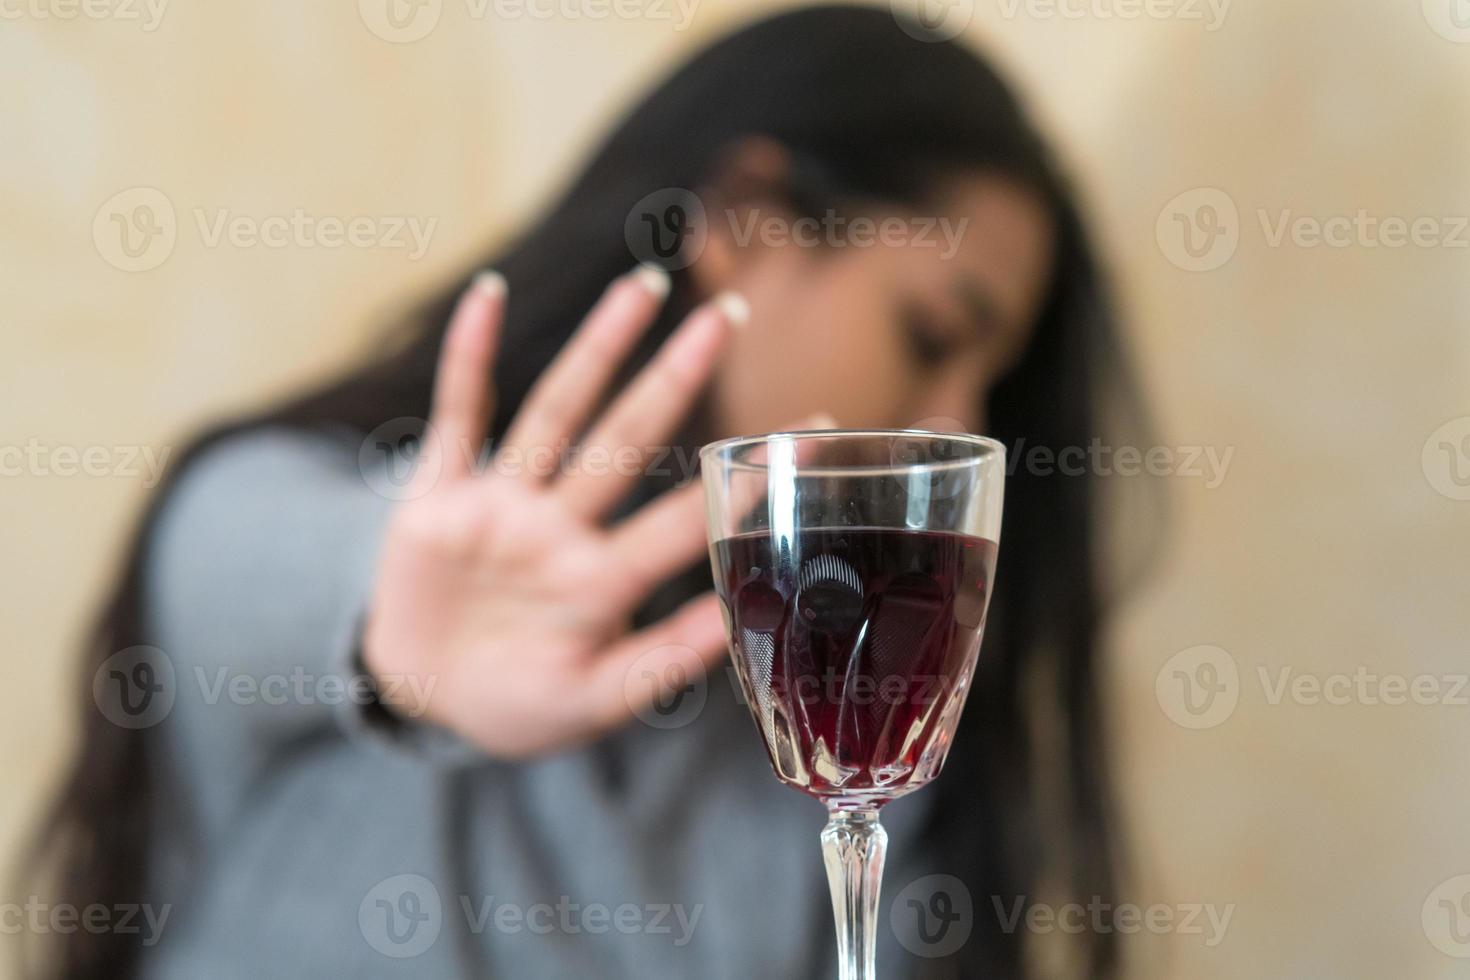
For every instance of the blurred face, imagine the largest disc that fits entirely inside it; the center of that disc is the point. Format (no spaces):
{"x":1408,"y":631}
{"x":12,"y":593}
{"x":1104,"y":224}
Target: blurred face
{"x":903,"y":321}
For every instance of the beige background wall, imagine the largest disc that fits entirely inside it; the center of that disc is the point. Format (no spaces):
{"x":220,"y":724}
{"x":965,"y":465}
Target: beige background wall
{"x":1333,"y":545}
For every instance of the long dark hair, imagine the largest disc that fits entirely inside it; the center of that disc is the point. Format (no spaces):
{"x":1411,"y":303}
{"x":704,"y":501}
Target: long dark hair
{"x":868,"y":111}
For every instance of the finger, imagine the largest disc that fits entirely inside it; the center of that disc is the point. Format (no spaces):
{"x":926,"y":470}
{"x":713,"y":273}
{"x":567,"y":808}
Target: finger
{"x":668,"y":534}
{"x":662,"y":537}
{"x":655,"y":662}
{"x":652,"y":407}
{"x":563,"y":397}
{"x":461,"y":405}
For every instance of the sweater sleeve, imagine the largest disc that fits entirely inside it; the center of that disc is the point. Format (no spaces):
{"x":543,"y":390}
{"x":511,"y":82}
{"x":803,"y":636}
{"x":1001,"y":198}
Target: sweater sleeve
{"x":257,"y":575}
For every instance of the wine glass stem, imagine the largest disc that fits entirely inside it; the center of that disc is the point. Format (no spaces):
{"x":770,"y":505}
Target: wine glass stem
{"x":853,"y":845}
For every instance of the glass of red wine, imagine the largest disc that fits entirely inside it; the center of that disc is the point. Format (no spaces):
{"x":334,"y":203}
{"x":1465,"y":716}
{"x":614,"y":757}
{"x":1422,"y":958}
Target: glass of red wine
{"x":854,"y":569}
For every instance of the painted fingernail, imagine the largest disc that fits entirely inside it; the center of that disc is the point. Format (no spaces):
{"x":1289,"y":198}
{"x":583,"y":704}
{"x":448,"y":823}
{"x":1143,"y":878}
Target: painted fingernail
{"x":735,"y":307}
{"x":491,"y":283}
{"x":653,"y":278}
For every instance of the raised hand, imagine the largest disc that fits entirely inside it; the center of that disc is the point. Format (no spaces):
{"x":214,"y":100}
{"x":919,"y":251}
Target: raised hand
{"x":501,"y":590}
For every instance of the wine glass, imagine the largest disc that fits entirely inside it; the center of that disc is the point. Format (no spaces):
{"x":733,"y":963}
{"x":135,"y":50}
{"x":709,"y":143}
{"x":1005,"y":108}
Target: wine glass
{"x":854,"y":569}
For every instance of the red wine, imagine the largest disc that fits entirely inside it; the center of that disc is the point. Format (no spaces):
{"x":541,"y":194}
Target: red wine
{"x":854,"y":648}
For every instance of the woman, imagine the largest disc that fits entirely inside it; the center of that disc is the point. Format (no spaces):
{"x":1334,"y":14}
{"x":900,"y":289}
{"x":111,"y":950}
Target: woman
{"x":498,"y":806}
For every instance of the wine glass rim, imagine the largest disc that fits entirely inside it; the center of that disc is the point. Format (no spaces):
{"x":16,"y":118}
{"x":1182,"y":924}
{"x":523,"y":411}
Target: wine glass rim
{"x":991,"y":447}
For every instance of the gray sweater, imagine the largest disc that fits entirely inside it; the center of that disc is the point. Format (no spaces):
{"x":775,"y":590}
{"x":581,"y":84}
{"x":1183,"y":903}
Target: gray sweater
{"x":302,"y":837}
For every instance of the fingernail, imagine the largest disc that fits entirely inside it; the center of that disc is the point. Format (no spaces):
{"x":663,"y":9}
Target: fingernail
{"x":735,"y":307}
{"x":821,"y":420}
{"x":653,"y":278}
{"x":491,"y":283}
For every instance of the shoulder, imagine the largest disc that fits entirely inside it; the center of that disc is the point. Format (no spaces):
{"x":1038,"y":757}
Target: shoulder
{"x":272,"y":493}
{"x":267,"y":460}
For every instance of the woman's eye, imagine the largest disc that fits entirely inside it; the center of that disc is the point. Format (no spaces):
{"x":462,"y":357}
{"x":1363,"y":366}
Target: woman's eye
{"x":929,"y":345}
